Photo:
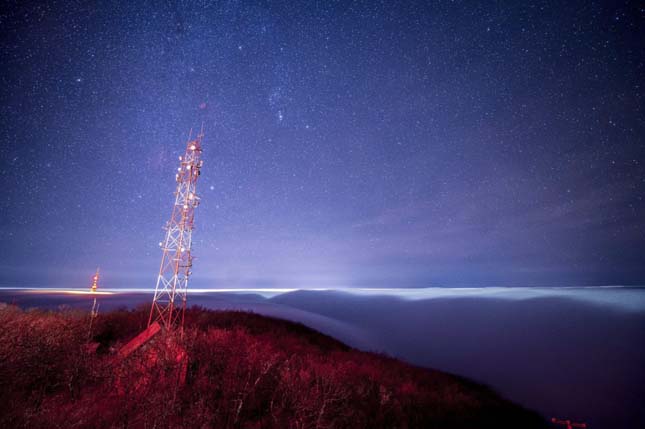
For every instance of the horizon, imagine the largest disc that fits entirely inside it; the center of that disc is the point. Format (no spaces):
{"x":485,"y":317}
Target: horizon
{"x":630,"y":299}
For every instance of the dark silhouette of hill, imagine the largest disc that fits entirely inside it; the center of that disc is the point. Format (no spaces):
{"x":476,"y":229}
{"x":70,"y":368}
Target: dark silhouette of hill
{"x":243,"y":370}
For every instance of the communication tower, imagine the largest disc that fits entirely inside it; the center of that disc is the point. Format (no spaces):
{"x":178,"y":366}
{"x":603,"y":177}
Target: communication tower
{"x":169,"y":302}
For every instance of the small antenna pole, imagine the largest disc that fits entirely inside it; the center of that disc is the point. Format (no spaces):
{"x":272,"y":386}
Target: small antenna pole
{"x":95,"y":308}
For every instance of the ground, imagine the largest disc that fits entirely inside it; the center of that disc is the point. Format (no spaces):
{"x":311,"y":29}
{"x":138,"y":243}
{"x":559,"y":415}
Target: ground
{"x":228,"y":369}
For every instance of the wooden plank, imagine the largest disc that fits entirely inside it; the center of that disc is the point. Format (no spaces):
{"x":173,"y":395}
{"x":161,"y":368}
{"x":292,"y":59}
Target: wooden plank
{"x":139,"y":340}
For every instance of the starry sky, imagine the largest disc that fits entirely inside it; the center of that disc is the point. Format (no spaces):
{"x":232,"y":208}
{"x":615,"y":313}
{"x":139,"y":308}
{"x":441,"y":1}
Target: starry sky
{"x":348,"y":144}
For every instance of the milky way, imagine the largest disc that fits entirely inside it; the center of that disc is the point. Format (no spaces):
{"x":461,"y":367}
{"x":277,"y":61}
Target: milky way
{"x":347,"y":144}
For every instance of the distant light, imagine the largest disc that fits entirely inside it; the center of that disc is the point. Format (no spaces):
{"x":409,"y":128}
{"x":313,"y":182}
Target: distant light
{"x":179,"y":169}
{"x":180,"y":158}
{"x":188,"y":167}
{"x":192,"y":147}
{"x":183,"y":249}
{"x":160,"y":243}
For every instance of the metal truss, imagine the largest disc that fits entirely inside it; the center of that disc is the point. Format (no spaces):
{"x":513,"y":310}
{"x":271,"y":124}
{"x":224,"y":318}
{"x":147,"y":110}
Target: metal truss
{"x":169,"y":302}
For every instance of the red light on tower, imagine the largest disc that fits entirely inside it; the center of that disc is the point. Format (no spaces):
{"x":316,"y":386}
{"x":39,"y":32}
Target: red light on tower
{"x":95,"y":281}
{"x":568,"y":423}
{"x":169,"y":302}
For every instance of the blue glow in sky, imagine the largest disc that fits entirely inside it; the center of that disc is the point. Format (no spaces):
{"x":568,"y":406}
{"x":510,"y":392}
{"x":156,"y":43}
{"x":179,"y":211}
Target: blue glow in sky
{"x":347,"y":144}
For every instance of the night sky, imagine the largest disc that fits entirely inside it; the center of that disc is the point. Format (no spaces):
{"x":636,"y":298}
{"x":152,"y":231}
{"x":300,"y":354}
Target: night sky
{"x":369,"y":144}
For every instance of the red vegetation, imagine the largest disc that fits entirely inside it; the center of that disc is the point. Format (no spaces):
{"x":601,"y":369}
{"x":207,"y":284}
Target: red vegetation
{"x":244,"y":370}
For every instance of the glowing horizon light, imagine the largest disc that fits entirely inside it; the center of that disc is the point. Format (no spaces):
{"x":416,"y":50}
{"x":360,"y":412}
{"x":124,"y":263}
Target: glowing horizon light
{"x":72,"y":291}
{"x":630,"y":298}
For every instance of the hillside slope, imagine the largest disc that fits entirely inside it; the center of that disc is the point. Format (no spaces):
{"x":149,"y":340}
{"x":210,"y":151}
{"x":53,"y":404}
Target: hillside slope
{"x":243,"y":370}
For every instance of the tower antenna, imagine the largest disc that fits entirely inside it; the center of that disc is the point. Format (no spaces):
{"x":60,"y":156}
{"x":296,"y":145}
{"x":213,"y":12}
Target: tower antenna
{"x":94,"y":285}
{"x":169,"y":302}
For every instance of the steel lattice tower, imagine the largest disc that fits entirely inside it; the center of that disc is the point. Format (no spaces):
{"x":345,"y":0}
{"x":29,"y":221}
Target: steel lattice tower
{"x":169,"y":302}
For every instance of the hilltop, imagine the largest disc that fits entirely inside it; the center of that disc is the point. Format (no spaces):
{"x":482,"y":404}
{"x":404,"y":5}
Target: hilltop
{"x":243,"y":370}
